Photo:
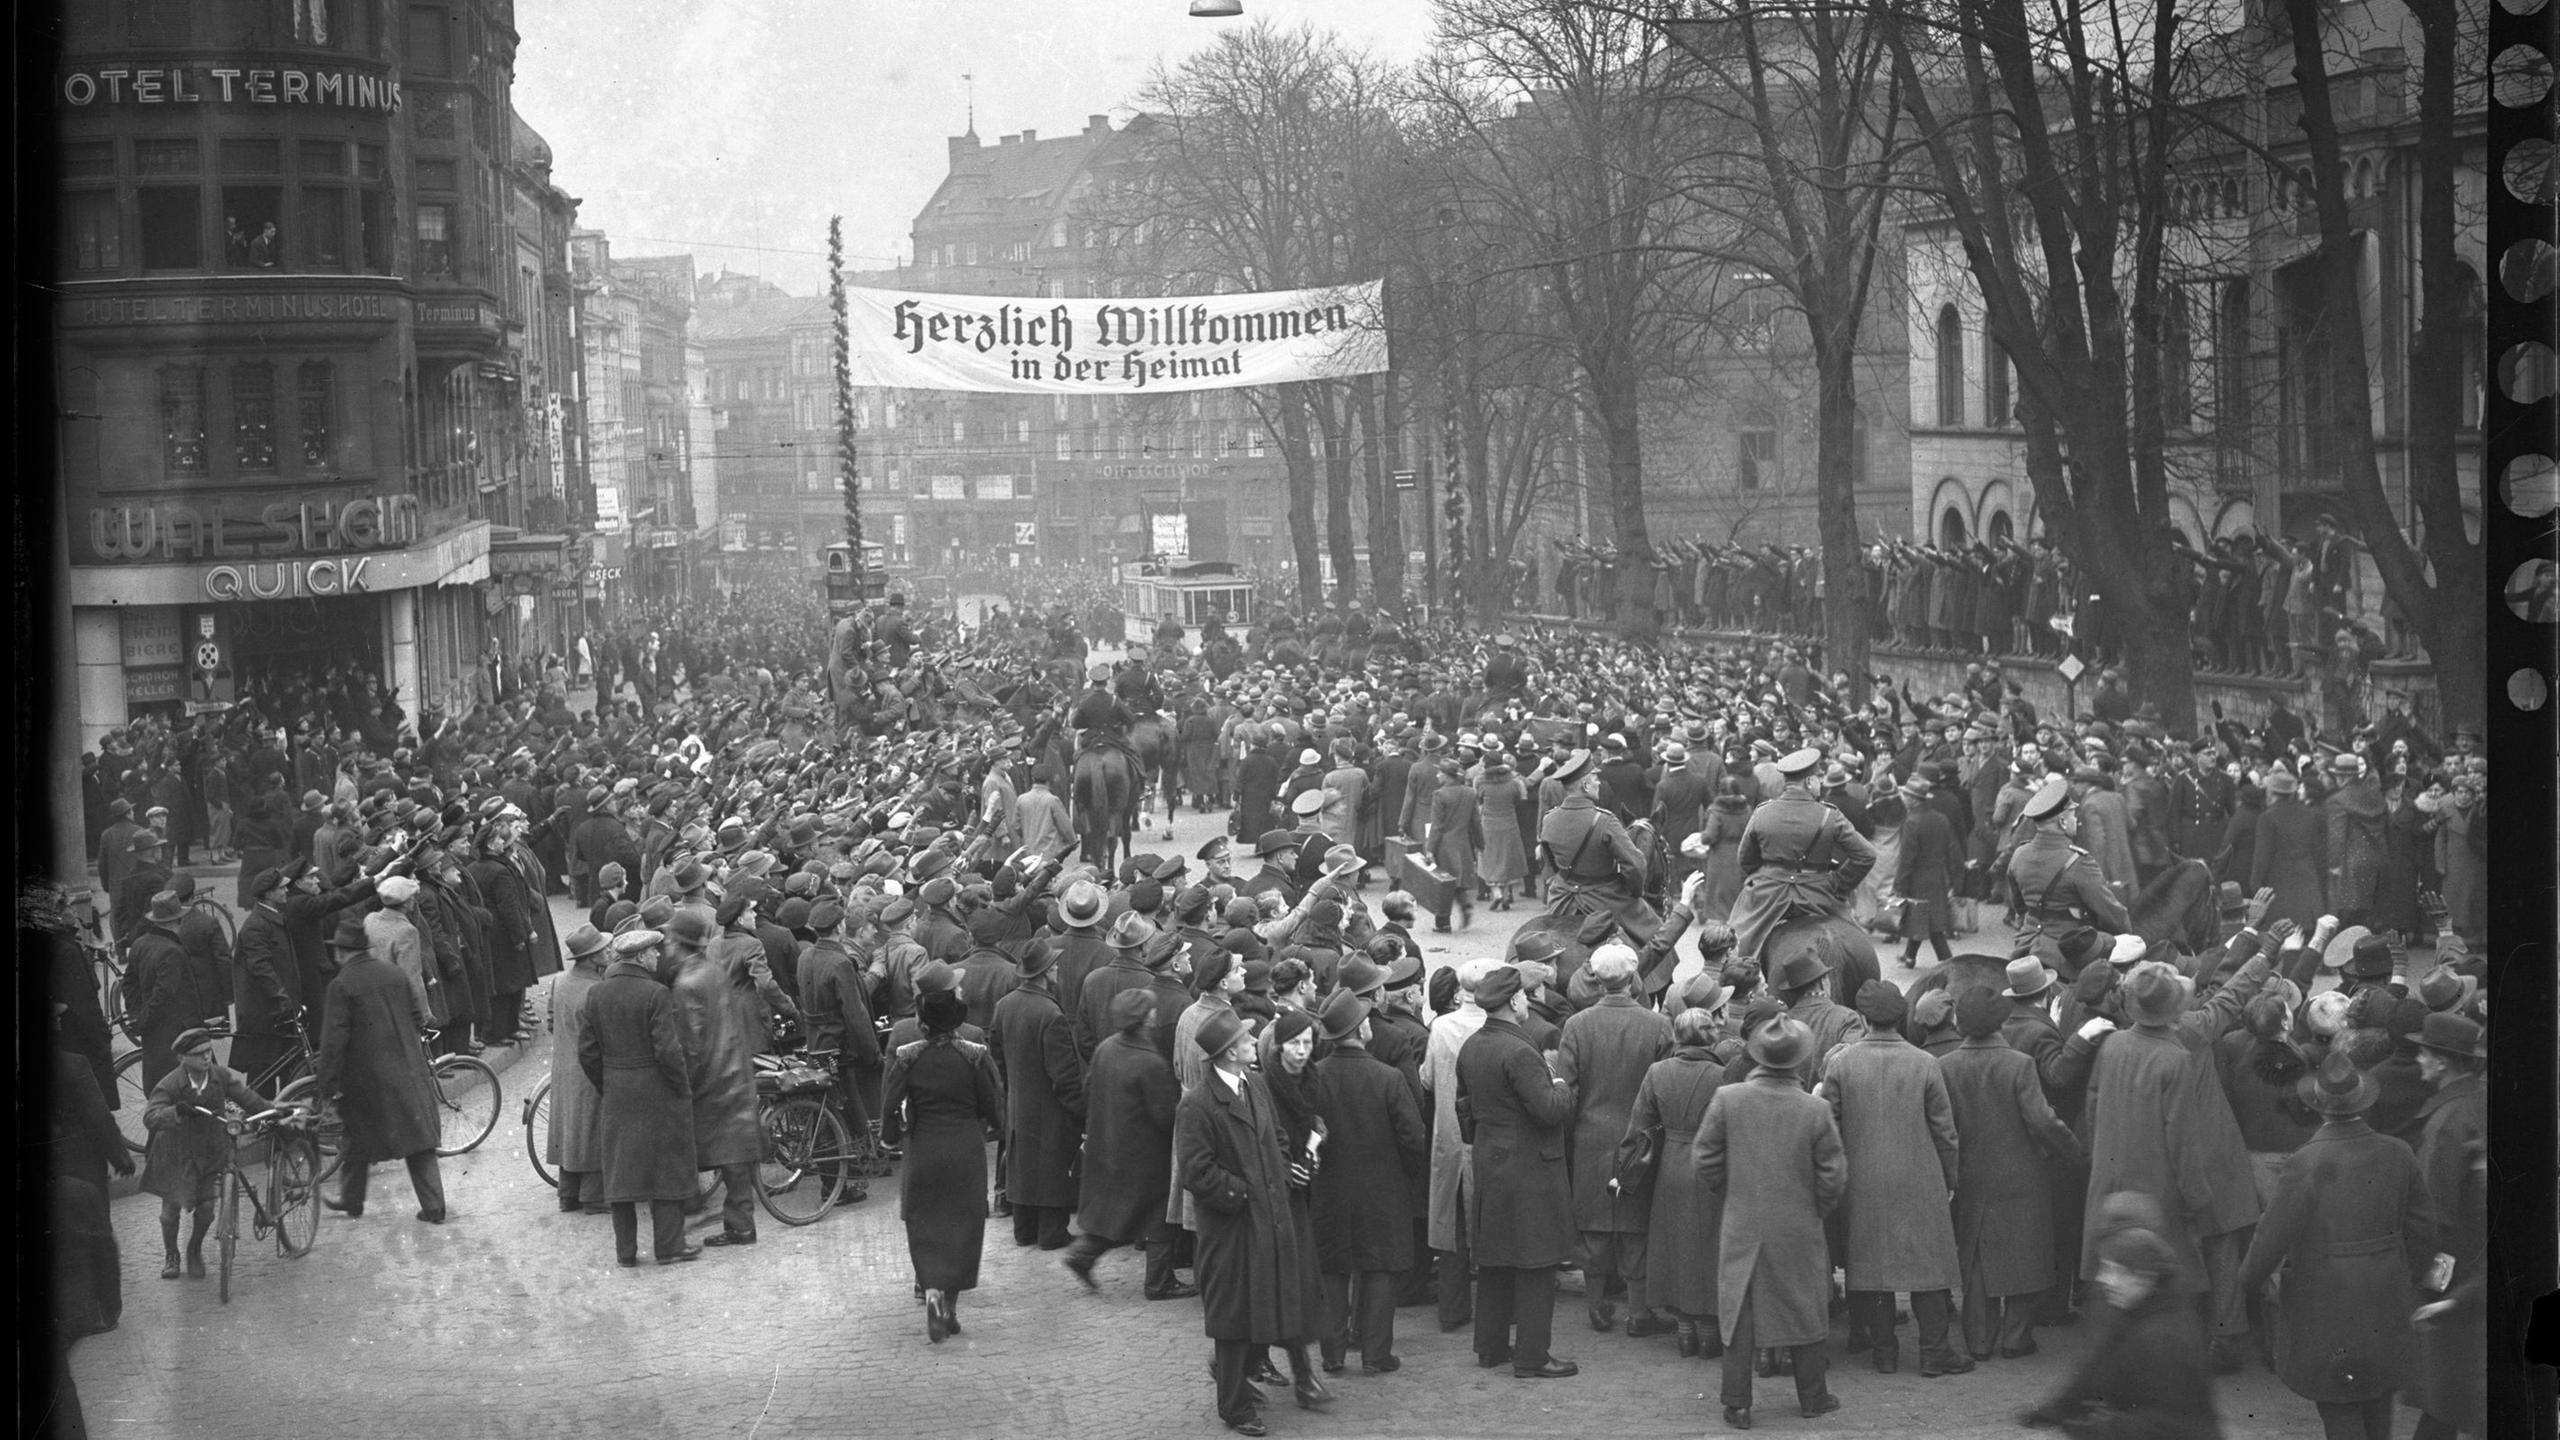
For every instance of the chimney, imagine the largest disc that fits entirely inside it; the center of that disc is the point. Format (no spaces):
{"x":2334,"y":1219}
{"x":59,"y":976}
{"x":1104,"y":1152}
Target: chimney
{"x":1097,"y":124}
{"x":1008,"y":140}
{"x":1030,"y":137}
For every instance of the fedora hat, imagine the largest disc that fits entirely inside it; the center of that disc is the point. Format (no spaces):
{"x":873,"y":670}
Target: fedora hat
{"x":2028,"y":977}
{"x":1082,"y":905}
{"x":2230,"y":899}
{"x":1132,"y":931}
{"x":166,"y":909}
{"x":2155,"y":993}
{"x":2454,"y":1035}
{"x":1802,"y":968}
{"x":143,"y":842}
{"x":2342,"y":947}
{"x":1342,"y":1016}
{"x":1036,"y":958}
{"x":583,"y":942}
{"x":349,"y":935}
{"x":2337,"y":1088}
{"x":1273,"y":842}
{"x":1218,"y":1032}
{"x":2447,"y":989}
{"x":1782,"y":1044}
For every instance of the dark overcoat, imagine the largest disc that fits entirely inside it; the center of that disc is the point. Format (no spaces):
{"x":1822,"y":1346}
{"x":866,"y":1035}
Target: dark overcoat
{"x":510,"y":932}
{"x":1375,"y":1157}
{"x":573,"y":1142}
{"x":2290,"y":855}
{"x":1927,"y":865}
{"x":1044,"y":1086}
{"x":1515,"y":1115}
{"x":2151,"y":1129}
{"x":1253,"y":1245}
{"x":1682,"y":1225}
{"x":944,"y":1100}
{"x":2004,"y":1172}
{"x":1603,"y":1054}
{"x":371,"y":1062}
{"x":2145,"y":1378}
{"x":266,"y":986}
{"x":1900,"y":1137}
{"x":2453,"y":1348}
{"x":2351,"y":1226}
{"x":1127,"y":1167}
{"x":185,"y":1150}
{"x":631,"y":1053}
{"x":718,"y":1017}
{"x":1773,"y":1152}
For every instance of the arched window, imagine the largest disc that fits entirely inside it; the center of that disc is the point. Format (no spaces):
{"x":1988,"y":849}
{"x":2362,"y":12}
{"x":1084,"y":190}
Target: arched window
{"x":1999,"y":531}
{"x":1951,"y":530}
{"x":1950,"y":367}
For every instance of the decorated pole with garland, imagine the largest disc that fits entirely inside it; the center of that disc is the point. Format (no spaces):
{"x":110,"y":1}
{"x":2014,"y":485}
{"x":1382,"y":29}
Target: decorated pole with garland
{"x":848,"y":474}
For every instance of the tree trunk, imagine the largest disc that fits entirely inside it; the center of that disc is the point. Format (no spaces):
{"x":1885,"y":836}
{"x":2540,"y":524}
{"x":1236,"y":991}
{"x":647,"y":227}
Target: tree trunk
{"x":1616,"y":397}
{"x":1479,"y":594}
{"x":1844,"y":570}
{"x":1331,"y":428}
{"x":1374,"y":425}
{"x":1301,"y":465}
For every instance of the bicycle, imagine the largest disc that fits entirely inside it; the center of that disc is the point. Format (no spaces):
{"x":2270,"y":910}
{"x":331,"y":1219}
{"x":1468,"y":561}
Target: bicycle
{"x":537,"y":1135}
{"x":810,"y":1155}
{"x":286,"y":1200}
{"x":291,"y":1074}
{"x":468,"y":1098}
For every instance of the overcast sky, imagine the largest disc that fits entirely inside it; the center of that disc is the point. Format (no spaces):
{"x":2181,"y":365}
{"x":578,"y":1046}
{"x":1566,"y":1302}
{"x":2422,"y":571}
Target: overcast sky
{"x":733,"y":128}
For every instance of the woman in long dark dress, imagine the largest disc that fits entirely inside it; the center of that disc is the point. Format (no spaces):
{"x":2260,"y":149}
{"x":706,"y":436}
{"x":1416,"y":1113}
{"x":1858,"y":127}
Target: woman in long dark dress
{"x":944,"y":1100}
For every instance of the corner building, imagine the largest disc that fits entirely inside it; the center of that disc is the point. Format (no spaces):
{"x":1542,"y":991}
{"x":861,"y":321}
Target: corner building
{"x":280,"y":344}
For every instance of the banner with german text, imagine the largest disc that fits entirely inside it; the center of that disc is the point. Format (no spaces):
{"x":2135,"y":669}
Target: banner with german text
{"x":1114,"y":345}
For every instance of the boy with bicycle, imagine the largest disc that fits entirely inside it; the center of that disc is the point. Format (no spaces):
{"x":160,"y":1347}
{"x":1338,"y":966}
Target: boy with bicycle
{"x":189,"y":1149}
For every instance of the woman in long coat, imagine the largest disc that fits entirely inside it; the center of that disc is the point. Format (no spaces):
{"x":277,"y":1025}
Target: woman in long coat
{"x":943,"y":1100}
{"x":1685,"y":1218}
{"x":1504,"y":861}
{"x":573,"y":1146}
{"x":2290,"y":855}
{"x":2351,"y":1226}
{"x":1726,"y":817}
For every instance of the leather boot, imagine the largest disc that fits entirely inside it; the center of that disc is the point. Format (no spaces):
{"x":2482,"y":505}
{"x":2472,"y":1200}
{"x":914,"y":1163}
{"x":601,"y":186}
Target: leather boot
{"x":1687,"y":1333}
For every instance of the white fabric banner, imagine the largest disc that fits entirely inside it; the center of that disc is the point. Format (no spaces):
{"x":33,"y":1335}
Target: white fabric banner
{"x":1114,"y":345}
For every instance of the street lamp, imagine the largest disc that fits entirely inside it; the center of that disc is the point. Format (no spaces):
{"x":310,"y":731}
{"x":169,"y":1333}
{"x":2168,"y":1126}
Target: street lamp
{"x":1216,"y":9}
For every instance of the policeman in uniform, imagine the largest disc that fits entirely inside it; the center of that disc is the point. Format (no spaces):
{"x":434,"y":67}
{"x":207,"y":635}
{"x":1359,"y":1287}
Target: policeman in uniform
{"x":1136,"y":687}
{"x":1590,"y":853}
{"x":1799,"y":856}
{"x":1098,"y":717}
{"x":1506,"y":673}
{"x":2055,"y":887}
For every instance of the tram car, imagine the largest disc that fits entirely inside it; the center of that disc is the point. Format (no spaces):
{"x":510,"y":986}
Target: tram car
{"x":851,"y":587}
{"x":1190,"y":592}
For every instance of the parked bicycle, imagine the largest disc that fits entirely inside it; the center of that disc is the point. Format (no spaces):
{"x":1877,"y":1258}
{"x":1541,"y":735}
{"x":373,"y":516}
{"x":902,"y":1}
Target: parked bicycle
{"x":284,"y":1197}
{"x":468,"y":1098}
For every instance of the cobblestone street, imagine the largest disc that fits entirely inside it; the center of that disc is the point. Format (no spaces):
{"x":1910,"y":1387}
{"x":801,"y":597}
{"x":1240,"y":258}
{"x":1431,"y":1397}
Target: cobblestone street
{"x":513,"y":1320}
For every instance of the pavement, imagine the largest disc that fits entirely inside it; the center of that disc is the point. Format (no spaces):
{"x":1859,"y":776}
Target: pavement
{"x":513,"y":1320}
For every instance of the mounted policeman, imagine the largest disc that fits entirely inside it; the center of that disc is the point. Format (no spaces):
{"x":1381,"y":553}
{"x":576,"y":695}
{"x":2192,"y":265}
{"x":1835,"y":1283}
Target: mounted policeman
{"x":2056,"y":888}
{"x":1595,"y":863}
{"x":1799,"y":856}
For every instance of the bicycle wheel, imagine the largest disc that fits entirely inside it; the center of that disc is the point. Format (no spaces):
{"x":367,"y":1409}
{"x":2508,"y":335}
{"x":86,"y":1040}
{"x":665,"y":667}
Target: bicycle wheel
{"x":467,"y":1102}
{"x":806,"y":1155}
{"x":293,"y":1192}
{"x":328,"y":1136}
{"x":537,"y":1133}
{"x":132,"y":1097}
{"x":227,"y":1227}
{"x":118,"y":1013}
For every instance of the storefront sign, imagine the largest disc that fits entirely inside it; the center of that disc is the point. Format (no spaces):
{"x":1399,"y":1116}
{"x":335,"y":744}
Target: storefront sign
{"x":457,"y":314}
{"x":288,"y":579}
{"x":219,"y":529}
{"x":1154,"y":471}
{"x":543,"y":561}
{"x":457,"y":557}
{"x":151,"y":637}
{"x":950,"y":487}
{"x":153,"y":687}
{"x":252,"y":307}
{"x":234,"y":84}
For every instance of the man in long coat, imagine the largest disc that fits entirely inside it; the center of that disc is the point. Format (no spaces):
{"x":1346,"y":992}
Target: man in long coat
{"x":836,"y":1012}
{"x":631,"y":1050}
{"x":1513,"y":1112}
{"x":1362,"y":1198}
{"x":1252,"y":1248}
{"x":1452,"y":1164}
{"x":1602,"y":1055}
{"x":1900,"y":1138}
{"x":2355,"y":823}
{"x":374,"y":1070}
{"x":2004,"y":1179}
{"x":720,"y":1020}
{"x":2453,"y":1329}
{"x":1773,"y":1152}
{"x":1035,"y":1051}
{"x":517,"y":954}
{"x":572,"y":1147}
{"x":1127,"y":1169}
{"x":2291,"y":854}
{"x":161,"y":983}
{"x":2351,"y":1224}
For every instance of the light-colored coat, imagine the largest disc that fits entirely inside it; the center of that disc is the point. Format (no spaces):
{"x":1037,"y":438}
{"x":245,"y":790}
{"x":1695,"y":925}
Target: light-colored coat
{"x":1899,"y":1133}
{"x":574,"y":1142}
{"x":1685,"y":1218}
{"x":1773,"y":1153}
{"x":1451,"y":1162}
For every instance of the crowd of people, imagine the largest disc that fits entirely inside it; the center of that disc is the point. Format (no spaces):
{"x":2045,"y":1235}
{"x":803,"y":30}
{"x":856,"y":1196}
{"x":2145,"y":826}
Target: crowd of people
{"x":1734,"y":1134}
{"x":2256,"y":605}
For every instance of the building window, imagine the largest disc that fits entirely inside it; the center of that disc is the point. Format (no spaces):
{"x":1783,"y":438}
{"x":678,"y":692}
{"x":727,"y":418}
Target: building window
{"x":252,"y":236}
{"x":167,"y":157}
{"x":959,"y":432}
{"x":1950,"y":367}
{"x":252,"y":157}
{"x":1756,"y":452}
{"x":182,"y":448}
{"x":435,"y":240}
{"x":172,"y":227}
{"x":253,"y":419}
{"x":1066,"y":446}
{"x":93,"y":232}
{"x":159,"y":22}
{"x":435,"y":175}
{"x":429,"y":52}
{"x":89,"y":160}
{"x":318,"y":399}
{"x":320,"y":226}
{"x":1022,"y":431}
{"x":1997,"y":408}
{"x":322,"y":157}
{"x":311,"y":23}
{"x":2177,"y":360}
{"x":373,"y":227}
{"x":2231,"y":360}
